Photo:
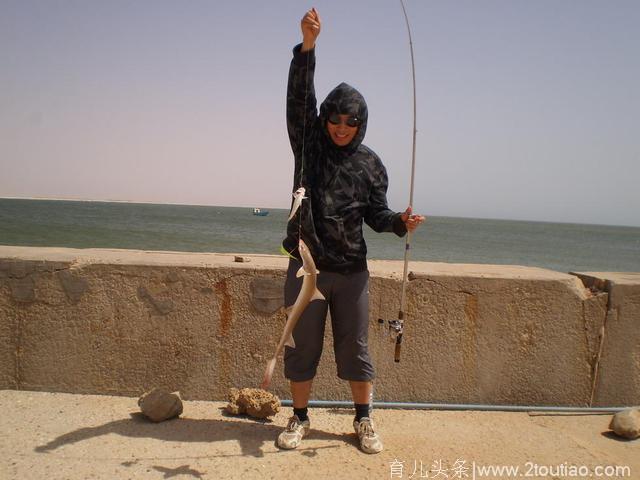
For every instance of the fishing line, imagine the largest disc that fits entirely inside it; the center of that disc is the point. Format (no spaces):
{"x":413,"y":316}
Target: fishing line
{"x":304,"y":135}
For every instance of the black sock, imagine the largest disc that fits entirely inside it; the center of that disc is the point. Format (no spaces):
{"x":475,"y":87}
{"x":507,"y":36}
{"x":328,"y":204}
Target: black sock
{"x":301,"y":413}
{"x":362,"y":410}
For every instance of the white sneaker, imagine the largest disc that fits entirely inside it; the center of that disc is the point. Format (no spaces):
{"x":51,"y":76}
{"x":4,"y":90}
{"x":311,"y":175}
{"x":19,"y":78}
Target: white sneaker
{"x":293,"y":434}
{"x":369,"y":440}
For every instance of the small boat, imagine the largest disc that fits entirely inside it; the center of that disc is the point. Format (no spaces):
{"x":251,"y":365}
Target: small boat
{"x":260,"y":213}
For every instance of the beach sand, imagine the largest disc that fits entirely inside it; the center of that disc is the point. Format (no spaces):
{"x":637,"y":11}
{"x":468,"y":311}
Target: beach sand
{"x":64,"y":436}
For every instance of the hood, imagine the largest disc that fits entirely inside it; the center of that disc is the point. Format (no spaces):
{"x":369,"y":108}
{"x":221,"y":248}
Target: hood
{"x":345,"y":100}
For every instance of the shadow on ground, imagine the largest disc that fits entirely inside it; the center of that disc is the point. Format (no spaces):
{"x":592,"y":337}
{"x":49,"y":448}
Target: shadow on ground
{"x":251,"y":435}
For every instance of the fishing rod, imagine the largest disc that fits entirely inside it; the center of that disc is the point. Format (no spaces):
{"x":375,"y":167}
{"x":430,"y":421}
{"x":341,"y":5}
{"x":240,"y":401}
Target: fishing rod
{"x":397,"y":326}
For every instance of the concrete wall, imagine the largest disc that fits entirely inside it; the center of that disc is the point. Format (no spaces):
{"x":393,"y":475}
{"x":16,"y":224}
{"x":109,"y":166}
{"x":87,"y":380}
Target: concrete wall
{"x":121,"y":321}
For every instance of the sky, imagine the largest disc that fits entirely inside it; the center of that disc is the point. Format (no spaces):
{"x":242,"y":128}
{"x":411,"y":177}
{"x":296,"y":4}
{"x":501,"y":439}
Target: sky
{"x":526,"y":109}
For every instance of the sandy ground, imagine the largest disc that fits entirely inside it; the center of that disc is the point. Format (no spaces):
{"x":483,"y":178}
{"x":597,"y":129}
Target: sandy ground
{"x":64,"y":436}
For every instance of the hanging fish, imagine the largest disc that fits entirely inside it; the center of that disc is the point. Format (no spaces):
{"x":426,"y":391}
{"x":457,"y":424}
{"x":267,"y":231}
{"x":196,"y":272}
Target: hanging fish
{"x":308,"y":292}
{"x":298,"y":196}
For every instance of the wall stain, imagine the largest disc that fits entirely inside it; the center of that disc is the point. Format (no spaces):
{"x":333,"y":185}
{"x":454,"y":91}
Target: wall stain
{"x":163,"y":307}
{"x":224,"y":307}
{"x":471,"y":311}
{"x":470,"y":349}
{"x":23,"y":289}
{"x":18,"y":341}
{"x":73,"y":285}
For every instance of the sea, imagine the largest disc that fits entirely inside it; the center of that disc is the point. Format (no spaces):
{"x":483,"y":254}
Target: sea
{"x":564,"y":247}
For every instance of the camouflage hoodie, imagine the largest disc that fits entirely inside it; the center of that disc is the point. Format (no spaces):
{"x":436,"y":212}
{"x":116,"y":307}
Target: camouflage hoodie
{"x":345,"y":185}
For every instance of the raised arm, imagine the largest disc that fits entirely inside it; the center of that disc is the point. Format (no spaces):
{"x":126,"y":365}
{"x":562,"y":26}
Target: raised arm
{"x":301,"y":98}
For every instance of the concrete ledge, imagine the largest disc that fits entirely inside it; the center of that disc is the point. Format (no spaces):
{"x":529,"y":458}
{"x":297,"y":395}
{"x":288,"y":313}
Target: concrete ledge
{"x":120,"y":321}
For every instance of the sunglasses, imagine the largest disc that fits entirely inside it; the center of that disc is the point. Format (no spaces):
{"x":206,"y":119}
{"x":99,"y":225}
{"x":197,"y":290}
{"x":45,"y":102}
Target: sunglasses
{"x":351,"y":121}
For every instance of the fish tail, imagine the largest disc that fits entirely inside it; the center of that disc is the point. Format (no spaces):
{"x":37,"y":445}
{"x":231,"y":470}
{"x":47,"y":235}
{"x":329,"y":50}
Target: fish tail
{"x":268,"y":374}
{"x":290,"y":342}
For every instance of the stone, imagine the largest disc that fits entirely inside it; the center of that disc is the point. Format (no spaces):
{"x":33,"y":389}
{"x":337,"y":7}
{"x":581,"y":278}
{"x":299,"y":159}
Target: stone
{"x":626,"y":423}
{"x":159,"y":404}
{"x":254,"y":402}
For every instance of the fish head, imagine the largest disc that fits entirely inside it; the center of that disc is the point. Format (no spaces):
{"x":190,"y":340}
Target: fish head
{"x":300,"y":192}
{"x":302,"y":247}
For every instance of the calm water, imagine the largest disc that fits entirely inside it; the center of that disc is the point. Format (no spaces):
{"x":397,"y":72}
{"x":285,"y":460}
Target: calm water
{"x":559,"y":246}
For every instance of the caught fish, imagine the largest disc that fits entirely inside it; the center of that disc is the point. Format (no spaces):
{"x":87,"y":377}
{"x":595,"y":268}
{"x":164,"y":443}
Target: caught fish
{"x":308,"y":292}
{"x":298,"y":196}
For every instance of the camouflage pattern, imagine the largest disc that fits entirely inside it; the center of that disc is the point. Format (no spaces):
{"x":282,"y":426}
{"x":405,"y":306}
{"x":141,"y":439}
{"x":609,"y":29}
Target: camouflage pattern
{"x":345,"y":185}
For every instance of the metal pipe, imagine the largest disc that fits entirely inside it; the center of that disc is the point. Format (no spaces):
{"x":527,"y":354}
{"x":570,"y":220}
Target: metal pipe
{"x":460,"y":406}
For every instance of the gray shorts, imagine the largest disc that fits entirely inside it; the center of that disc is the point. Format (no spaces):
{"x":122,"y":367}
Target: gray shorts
{"x":347,"y":298}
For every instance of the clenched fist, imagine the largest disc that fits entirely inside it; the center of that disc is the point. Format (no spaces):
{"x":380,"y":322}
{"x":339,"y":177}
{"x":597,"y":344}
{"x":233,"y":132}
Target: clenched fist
{"x":310,"y":26}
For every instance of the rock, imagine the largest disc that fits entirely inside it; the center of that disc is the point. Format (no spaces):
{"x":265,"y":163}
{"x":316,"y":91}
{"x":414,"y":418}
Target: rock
{"x":626,"y":423}
{"x":159,"y":404}
{"x":233,"y":407}
{"x":255,"y":402}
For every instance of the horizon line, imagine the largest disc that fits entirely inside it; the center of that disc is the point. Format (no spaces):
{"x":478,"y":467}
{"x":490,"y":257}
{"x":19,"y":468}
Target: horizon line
{"x":142,"y":202}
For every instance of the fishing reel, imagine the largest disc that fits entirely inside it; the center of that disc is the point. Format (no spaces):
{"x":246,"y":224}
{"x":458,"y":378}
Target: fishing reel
{"x":394,"y":332}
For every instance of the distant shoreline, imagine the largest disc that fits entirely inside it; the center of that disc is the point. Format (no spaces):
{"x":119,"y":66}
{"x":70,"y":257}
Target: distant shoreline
{"x":141,"y":202}
{"x":138,"y":202}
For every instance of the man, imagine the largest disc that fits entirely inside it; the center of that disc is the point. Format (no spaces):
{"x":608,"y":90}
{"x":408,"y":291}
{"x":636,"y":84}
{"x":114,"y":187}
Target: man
{"x":346,"y":184}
